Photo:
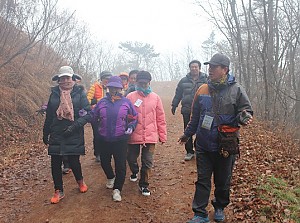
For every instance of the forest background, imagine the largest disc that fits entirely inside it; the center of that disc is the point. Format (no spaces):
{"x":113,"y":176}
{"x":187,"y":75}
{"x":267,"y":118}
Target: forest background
{"x":261,"y":37}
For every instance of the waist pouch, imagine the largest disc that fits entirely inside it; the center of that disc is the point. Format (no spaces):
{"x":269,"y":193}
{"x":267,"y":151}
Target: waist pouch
{"x":228,"y":139}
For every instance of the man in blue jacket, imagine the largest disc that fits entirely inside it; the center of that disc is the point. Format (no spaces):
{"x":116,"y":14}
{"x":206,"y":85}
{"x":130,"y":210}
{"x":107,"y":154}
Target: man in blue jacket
{"x":221,"y":102}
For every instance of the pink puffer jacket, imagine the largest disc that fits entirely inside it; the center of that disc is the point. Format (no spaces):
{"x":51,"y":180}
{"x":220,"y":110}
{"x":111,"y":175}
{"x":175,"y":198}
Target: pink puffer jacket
{"x":151,"y":126}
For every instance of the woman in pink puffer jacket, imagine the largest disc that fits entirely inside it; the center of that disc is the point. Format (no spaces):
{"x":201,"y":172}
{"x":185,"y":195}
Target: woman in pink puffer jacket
{"x":151,"y":129}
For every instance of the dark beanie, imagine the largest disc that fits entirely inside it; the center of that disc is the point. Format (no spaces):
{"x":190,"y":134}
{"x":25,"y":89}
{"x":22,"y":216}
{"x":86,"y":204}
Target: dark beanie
{"x":105,"y":74}
{"x":143,"y":76}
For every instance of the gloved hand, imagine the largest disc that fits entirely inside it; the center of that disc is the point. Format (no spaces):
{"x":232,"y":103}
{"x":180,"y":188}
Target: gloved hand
{"x":46,"y":139}
{"x":69,"y":131}
{"x":183,"y":139}
{"x":42,"y":110}
{"x":245,"y":118}
{"x":129,"y":131}
{"x":93,"y":101}
{"x":173,"y":110}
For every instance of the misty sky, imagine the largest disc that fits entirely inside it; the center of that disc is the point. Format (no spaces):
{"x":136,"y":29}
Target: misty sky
{"x":166,"y":24}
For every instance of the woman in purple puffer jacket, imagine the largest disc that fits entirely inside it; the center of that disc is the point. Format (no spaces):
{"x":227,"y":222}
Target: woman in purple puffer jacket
{"x":116,"y":119}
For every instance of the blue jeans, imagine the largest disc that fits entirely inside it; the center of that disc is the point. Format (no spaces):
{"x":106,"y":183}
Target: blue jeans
{"x":209,"y":163}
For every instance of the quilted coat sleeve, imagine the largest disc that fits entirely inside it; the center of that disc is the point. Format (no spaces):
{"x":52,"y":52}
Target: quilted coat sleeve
{"x":178,"y":94}
{"x":91,"y":93}
{"x":161,"y":121}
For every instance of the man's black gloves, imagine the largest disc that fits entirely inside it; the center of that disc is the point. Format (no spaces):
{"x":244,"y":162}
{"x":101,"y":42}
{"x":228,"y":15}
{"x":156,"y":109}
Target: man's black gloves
{"x":183,"y":139}
{"x":69,"y":130}
{"x":173,"y":110}
{"x":46,"y":139}
{"x":93,"y":101}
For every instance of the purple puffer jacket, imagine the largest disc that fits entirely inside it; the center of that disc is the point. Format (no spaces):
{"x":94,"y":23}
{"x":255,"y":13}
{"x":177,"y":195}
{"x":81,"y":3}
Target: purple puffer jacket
{"x":114,"y":118}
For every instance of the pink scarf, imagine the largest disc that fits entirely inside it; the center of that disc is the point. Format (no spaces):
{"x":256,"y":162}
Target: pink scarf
{"x":65,"y":109}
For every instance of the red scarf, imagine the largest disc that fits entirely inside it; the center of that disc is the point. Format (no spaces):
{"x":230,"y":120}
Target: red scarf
{"x":65,"y":109}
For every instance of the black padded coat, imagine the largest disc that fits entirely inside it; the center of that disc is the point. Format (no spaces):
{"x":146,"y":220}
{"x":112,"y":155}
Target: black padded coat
{"x":185,"y":91}
{"x":73,"y":144}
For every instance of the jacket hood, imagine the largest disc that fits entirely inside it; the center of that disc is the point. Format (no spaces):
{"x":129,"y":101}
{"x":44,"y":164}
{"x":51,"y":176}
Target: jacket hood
{"x":201,"y":76}
{"x":230,"y":79}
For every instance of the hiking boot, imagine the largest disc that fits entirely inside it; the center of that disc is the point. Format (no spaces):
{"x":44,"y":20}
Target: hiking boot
{"x":116,"y":195}
{"x":198,"y":219}
{"x":98,"y":160}
{"x":82,"y":186}
{"x":219,"y":215}
{"x":110,"y":183}
{"x":145,"y":191}
{"x":189,"y":156}
{"x":66,"y":170}
{"x":133,"y":177}
{"x":58,"y":195}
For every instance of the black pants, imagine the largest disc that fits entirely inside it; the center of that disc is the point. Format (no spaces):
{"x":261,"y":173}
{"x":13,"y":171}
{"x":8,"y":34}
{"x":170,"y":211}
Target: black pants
{"x":95,"y":139}
{"x":56,"y":162}
{"x":117,"y":150}
{"x":209,"y":163}
{"x":189,"y":144}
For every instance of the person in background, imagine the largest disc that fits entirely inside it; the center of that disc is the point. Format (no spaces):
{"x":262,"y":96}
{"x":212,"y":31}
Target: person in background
{"x":220,"y":102}
{"x":185,"y":91}
{"x":132,"y":82}
{"x":125,"y":80}
{"x":96,"y":92}
{"x":63,"y":132}
{"x":118,"y":119}
{"x":150,"y":129}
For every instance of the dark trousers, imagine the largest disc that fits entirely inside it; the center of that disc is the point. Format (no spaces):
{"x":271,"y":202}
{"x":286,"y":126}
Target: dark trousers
{"x":189,"y":144}
{"x":56,"y":162}
{"x":209,"y":163}
{"x":95,"y":139}
{"x":118,"y":151}
{"x":146,"y":158}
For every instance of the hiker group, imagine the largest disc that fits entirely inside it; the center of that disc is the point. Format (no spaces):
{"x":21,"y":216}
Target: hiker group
{"x":128,"y":120}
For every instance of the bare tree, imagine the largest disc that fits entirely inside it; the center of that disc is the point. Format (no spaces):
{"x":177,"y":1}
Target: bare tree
{"x":263,"y":42}
{"x":29,"y":23}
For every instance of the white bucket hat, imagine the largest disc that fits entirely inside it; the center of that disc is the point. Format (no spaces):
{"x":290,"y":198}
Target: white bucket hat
{"x":65,"y":71}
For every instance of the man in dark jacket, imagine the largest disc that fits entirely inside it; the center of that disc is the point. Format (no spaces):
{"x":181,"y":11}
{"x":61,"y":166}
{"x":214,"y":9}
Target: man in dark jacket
{"x":222,"y":102}
{"x":185,"y":92}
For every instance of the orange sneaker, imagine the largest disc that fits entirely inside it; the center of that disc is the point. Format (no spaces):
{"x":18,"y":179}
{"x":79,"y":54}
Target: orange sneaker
{"x":58,"y":195}
{"x":82,"y":186}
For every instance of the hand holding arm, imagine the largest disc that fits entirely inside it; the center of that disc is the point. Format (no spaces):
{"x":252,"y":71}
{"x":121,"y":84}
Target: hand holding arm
{"x":129,"y":131}
{"x":69,"y":130}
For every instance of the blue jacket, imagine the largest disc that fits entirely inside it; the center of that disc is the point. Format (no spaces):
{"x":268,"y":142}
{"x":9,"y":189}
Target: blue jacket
{"x":231,"y":99}
{"x":114,"y":118}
